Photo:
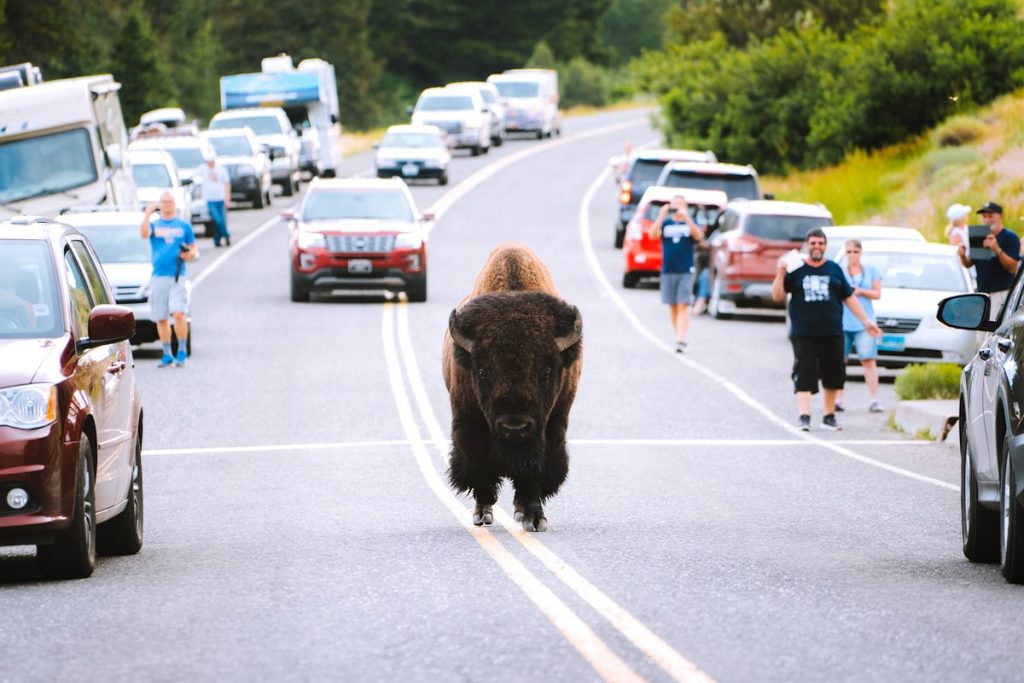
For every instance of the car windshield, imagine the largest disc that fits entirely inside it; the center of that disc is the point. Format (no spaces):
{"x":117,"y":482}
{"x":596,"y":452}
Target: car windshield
{"x":117,"y":243}
{"x":46,"y":164}
{"x":791,"y":228}
{"x":151,"y":175}
{"x":231,"y":146}
{"x":514,"y":89}
{"x":186,"y":157}
{"x":411,"y":140}
{"x":907,"y":270}
{"x":734,"y":186}
{"x":357,"y":204}
{"x":445,"y":103}
{"x":644,"y":173}
{"x":260,"y":125}
{"x":701,"y":215}
{"x":29,"y":306}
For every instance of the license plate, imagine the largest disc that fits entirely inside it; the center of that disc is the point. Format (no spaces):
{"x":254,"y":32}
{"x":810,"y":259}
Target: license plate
{"x":410,"y":169}
{"x":360,"y":265}
{"x":892,"y":342}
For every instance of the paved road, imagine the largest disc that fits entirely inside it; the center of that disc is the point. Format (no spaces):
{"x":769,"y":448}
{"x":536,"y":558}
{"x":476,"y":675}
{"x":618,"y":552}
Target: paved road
{"x":298,"y":526}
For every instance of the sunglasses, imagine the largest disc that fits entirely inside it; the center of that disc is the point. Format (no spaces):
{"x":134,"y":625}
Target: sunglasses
{"x":853,"y":251}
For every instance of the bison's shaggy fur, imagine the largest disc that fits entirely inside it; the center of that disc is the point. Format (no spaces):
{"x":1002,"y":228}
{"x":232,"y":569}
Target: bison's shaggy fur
{"x":512,"y":357}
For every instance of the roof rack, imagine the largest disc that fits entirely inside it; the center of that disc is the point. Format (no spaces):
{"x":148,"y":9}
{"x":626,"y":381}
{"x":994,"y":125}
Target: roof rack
{"x":100,"y":208}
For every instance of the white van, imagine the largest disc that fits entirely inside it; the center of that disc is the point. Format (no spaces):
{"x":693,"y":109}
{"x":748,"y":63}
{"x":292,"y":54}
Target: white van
{"x":530,"y":99}
{"x":274,"y":131}
{"x":62,"y":144}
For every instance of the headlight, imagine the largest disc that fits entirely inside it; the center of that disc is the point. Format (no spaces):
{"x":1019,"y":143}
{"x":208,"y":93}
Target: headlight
{"x":309,"y":239}
{"x":433,"y":163}
{"x":28,"y":407}
{"x":411,"y":240}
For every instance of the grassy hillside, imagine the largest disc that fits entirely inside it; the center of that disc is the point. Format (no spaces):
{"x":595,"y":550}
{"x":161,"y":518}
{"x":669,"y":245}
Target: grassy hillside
{"x":970,"y":158}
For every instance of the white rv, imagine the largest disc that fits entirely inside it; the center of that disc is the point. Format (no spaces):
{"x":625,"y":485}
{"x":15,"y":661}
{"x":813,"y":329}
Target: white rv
{"x":530,"y":99}
{"x":62,"y":144}
{"x":309,"y":96}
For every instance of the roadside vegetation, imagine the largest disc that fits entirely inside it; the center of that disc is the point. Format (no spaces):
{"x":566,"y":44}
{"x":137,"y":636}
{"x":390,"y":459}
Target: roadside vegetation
{"x":928,"y":381}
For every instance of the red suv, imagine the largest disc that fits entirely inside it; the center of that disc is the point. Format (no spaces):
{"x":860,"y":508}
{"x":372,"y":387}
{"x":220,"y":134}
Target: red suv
{"x":70,"y":413}
{"x":746,"y":247}
{"x":356,"y":233}
{"x":642,"y":253}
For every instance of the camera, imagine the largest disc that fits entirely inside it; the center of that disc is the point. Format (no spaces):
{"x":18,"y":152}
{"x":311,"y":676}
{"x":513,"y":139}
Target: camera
{"x":183,"y":248}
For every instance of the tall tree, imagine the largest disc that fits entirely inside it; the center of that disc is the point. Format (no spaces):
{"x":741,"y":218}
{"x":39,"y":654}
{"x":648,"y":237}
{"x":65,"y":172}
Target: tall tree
{"x":631,"y":26}
{"x":141,"y":66}
{"x":62,"y":37}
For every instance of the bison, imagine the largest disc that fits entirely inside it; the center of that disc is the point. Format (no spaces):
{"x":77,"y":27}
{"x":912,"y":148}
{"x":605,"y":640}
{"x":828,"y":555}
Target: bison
{"x":512,"y":357}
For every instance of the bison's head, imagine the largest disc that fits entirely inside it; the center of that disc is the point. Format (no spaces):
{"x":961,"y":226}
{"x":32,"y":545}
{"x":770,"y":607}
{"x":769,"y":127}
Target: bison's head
{"x":515,"y":349}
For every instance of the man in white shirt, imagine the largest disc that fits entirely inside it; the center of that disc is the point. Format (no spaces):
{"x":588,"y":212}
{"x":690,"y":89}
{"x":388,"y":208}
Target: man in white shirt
{"x":216,"y":191}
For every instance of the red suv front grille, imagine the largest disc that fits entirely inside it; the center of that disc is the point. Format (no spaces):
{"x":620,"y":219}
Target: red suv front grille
{"x":360,"y":244}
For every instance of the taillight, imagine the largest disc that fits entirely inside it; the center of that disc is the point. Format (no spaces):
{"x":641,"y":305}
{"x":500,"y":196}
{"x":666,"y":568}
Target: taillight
{"x":625,"y":192}
{"x":741,"y":244}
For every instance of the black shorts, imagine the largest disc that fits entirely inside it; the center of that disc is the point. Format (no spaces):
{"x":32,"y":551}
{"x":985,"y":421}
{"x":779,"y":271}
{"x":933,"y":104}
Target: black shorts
{"x":817,"y":358}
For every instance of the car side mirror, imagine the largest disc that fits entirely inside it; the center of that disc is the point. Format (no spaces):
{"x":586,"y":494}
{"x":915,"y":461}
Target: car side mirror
{"x":288,"y":214}
{"x":334,"y":118}
{"x":428,"y":216}
{"x":108,"y":324}
{"x":409,"y":110}
{"x":769,"y":195}
{"x":186,"y":181}
{"x":966,"y":312}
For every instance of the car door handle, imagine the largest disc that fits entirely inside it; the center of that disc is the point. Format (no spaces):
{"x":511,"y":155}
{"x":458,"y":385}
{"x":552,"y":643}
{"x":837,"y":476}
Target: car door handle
{"x":116,"y":368}
{"x":1005,"y":345}
{"x":984,"y":354}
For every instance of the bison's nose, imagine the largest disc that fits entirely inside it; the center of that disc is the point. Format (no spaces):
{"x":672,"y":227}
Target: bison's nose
{"x":514,"y":425}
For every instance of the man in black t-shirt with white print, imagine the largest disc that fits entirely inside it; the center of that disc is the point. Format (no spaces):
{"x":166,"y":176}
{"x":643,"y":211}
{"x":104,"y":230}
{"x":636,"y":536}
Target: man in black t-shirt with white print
{"x":819,"y":290}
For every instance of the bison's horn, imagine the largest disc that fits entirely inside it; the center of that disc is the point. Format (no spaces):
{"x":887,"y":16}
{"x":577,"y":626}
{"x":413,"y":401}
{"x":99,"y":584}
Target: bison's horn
{"x":460,"y":340}
{"x":577,"y":331}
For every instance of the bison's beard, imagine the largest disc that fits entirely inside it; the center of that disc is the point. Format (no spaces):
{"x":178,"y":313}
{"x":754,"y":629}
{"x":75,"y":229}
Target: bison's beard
{"x":520,"y":456}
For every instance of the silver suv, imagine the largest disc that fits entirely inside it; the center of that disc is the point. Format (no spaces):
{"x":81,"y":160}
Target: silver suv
{"x":274,"y":131}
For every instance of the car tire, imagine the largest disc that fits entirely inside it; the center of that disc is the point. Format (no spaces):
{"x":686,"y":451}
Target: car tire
{"x":416,"y":292}
{"x":979,"y":527}
{"x":267,"y":197}
{"x":715,"y":301}
{"x":475,"y":150}
{"x":257,"y":200}
{"x":620,"y":234}
{"x":299,"y":292}
{"x":72,"y":555}
{"x":540,"y":134}
{"x":288,"y":188}
{"x":443,"y":178}
{"x":630,"y":280}
{"x":123,"y":534}
{"x":497,"y":141}
{"x":1011,"y":522}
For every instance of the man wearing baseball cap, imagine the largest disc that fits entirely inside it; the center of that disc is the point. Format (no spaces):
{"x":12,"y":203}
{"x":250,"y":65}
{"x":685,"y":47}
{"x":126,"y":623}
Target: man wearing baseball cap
{"x":995,"y":274}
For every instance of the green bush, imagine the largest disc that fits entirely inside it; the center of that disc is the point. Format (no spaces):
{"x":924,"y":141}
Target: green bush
{"x":957,"y":131}
{"x":583,"y":83}
{"x":929,"y":381}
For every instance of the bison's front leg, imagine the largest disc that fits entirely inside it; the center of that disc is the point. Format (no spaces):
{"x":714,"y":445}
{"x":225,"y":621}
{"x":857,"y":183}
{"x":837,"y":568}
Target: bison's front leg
{"x":527,"y":503}
{"x":469,"y":469}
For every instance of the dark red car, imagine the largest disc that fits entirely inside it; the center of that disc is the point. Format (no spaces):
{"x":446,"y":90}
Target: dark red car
{"x":358,"y":234}
{"x":70,"y":413}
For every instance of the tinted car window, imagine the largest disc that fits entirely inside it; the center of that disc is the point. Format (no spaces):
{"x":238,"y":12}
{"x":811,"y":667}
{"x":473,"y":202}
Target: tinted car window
{"x":97,"y":289}
{"x":328,"y":205}
{"x":411,"y":140}
{"x":79,"y":293}
{"x":186,"y":157}
{"x":260,"y":125}
{"x":792,"y":228}
{"x":151,"y":175}
{"x":232,"y":147}
{"x":644,"y":173}
{"x":117,"y":243}
{"x":514,"y":89}
{"x":445,"y":103}
{"x":729,"y":220}
{"x":734,"y":186}
{"x":701,"y":215}
{"x":46,"y":163}
{"x":904,"y":270}
{"x":29,"y":305}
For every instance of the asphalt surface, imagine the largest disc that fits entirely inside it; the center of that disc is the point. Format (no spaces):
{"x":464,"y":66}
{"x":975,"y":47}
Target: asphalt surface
{"x":298,"y":526}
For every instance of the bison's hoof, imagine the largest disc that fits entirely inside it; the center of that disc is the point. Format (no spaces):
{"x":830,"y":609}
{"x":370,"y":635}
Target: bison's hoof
{"x":535,"y":522}
{"x":517,"y":512}
{"x":483,"y":514}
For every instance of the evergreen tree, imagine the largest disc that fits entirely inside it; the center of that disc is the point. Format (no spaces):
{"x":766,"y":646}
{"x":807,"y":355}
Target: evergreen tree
{"x":140,"y":66}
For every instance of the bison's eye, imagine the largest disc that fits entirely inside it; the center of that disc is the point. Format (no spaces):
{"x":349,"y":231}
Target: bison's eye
{"x":548,"y":371}
{"x":481,"y":373}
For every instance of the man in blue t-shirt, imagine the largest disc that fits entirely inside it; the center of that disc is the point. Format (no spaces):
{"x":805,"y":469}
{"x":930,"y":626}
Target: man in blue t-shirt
{"x":678,"y":234}
{"x":172,"y":243}
{"x":995,"y":274}
{"x":818,"y":292}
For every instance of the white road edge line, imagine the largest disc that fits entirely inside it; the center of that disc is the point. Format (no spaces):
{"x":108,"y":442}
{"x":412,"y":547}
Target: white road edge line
{"x":580,"y":636}
{"x":728,"y":385}
{"x":672,"y":662}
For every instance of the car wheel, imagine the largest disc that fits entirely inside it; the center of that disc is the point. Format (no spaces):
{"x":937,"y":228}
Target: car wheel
{"x":475,"y":150}
{"x":267,"y":197}
{"x":1011,"y":527}
{"x":257,"y":200}
{"x":540,"y":134}
{"x":300,"y":293}
{"x":978,"y":525}
{"x":630,"y":280}
{"x":288,"y":188}
{"x":620,"y":234}
{"x":416,"y":292}
{"x":443,"y":178}
{"x":715,"y":302}
{"x":123,"y":534}
{"x":72,"y":555}
{"x":497,"y":141}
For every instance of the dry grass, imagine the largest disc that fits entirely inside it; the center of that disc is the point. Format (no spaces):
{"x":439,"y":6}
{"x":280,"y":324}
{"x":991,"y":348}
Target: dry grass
{"x":356,"y":143}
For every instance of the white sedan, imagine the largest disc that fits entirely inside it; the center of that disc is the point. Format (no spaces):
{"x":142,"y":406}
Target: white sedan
{"x":414,"y":151}
{"x":916,"y":276}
